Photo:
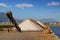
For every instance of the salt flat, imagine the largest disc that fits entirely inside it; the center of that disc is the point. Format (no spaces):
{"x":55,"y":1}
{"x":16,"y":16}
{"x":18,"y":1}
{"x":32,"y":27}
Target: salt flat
{"x":4,"y":35}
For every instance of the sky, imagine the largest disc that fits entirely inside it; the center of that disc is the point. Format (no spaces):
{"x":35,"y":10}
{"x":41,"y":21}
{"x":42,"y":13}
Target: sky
{"x":36,"y":9}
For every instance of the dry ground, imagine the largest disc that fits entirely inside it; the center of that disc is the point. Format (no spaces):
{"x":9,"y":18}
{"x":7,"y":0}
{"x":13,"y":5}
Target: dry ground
{"x":26,"y":36}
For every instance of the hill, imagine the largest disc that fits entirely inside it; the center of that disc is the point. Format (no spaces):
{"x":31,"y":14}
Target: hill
{"x":48,"y":20}
{"x":3,"y":17}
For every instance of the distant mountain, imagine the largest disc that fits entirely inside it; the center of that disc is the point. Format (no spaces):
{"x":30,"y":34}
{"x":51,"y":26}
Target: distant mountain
{"x":18,"y":20}
{"x":3,"y":17}
{"x":48,"y":20}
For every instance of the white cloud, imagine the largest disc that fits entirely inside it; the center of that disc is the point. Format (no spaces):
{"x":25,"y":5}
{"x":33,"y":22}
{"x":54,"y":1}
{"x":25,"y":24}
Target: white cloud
{"x":4,"y":5}
{"x":53,"y":3}
{"x":23,"y":5}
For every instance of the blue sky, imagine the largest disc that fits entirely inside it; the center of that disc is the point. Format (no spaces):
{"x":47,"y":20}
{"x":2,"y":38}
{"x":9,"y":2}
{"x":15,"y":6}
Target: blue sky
{"x":36,"y":9}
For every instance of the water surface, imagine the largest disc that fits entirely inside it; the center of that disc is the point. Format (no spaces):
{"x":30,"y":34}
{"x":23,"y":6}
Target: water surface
{"x":56,"y":30}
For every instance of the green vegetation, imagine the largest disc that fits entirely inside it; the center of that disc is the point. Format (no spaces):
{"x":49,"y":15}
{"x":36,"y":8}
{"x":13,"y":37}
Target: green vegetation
{"x":5,"y":26}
